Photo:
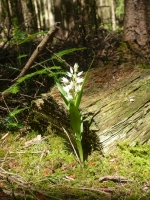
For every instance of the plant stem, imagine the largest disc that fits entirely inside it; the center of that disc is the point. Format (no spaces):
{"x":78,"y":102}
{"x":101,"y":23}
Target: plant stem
{"x":80,"y":150}
{"x":78,"y":159}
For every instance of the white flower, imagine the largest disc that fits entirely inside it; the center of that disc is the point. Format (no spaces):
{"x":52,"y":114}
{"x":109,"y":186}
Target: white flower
{"x":69,"y":97}
{"x":65,"y":80}
{"x":67,"y":88}
{"x":76,"y":66}
{"x":79,"y":80}
{"x":72,"y":85}
{"x":78,"y":88}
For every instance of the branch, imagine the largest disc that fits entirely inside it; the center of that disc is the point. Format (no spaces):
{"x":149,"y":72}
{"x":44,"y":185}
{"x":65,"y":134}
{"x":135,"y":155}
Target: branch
{"x":49,"y":36}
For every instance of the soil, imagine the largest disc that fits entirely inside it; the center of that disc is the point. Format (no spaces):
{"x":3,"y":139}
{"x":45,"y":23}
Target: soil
{"x":4,"y":196}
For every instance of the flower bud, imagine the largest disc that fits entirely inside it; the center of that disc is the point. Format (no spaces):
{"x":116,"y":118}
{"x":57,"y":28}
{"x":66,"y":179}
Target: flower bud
{"x":76,"y":66}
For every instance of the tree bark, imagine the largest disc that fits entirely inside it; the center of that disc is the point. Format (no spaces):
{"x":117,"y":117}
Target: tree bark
{"x":136,"y":22}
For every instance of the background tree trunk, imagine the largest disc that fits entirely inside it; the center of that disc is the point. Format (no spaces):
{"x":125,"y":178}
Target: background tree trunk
{"x":113,"y":15}
{"x":136,"y":22}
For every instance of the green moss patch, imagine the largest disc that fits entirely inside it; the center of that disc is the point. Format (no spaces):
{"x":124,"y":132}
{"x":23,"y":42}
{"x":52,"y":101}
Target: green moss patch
{"x":47,"y":169}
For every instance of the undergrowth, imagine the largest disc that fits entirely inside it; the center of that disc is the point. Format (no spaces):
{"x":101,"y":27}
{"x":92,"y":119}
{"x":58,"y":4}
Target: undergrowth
{"x":45,"y":169}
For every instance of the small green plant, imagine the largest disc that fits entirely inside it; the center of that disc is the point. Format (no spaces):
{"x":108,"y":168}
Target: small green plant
{"x":71,"y":92}
{"x":11,"y":123}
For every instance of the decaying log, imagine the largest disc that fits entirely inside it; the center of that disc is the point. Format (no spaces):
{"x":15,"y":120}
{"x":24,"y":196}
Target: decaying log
{"x":115,"y":107}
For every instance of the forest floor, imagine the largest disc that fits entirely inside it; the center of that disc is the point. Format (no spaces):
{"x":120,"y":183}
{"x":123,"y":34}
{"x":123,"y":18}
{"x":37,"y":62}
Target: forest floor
{"x":34,"y":168}
{"x":42,"y":167}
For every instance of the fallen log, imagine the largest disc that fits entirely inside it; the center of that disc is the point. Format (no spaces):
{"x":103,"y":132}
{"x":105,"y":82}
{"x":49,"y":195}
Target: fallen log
{"x":115,"y":107}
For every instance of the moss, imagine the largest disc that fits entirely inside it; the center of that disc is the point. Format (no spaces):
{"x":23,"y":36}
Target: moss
{"x":52,"y":168}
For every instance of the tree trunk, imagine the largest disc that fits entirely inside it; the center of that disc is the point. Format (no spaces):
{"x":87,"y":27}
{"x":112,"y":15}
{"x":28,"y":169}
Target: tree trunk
{"x":113,"y":19}
{"x":29,"y":16}
{"x":136,"y":22}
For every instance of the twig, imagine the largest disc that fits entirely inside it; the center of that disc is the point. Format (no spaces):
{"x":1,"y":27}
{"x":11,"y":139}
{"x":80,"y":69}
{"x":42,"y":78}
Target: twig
{"x":22,"y":152}
{"x":49,"y":36}
{"x":101,"y":190}
{"x":59,"y":58}
{"x":4,"y":160}
{"x":8,"y":108}
{"x":72,"y":146}
{"x":34,"y":141}
{"x":114,"y":179}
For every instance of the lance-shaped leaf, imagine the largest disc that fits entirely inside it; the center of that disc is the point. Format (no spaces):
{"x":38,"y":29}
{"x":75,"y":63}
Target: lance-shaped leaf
{"x":75,"y":119}
{"x":63,"y":93}
{"x":79,"y":96}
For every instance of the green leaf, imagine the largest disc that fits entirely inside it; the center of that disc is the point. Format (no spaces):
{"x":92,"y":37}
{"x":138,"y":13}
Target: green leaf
{"x":48,"y":71}
{"x":28,"y":76}
{"x":79,"y":96}
{"x":62,"y":92}
{"x":22,"y":56}
{"x":75,"y":120}
{"x":13,"y":89}
{"x":16,"y":111}
{"x":62,"y":53}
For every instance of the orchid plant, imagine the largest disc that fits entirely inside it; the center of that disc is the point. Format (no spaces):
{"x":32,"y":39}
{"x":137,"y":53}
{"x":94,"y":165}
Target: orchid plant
{"x":71,"y":91}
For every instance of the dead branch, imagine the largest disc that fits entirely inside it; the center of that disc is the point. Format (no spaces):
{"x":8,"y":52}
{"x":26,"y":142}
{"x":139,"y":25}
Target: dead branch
{"x":105,"y":191}
{"x":114,"y":179}
{"x":49,"y":36}
{"x":34,"y":141}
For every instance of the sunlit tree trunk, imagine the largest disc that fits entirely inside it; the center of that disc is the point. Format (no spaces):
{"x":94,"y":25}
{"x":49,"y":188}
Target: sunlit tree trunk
{"x":49,"y":18}
{"x":136,"y":22}
{"x":113,"y":19}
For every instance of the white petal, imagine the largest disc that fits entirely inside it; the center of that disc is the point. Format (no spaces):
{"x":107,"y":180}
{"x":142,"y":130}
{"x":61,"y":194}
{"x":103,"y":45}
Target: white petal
{"x":69,"y":97}
{"x":78,"y":88}
{"x":79,"y":74}
{"x":71,"y":70}
{"x":66,"y":88}
{"x":79,"y":80}
{"x":69,"y":74}
{"x":71,"y":84}
{"x":65,"y":80}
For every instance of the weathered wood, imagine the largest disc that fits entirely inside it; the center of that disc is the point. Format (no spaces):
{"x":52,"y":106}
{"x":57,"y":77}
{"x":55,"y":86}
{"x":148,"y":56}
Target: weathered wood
{"x":115,"y":104}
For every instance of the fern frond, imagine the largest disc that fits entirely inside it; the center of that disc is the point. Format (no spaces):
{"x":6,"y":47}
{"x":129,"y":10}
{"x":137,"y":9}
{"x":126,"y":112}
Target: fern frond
{"x":14,"y":89}
{"x":16,"y":111}
{"x":46,"y":70}
{"x":65,"y":52}
{"x":60,"y":54}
